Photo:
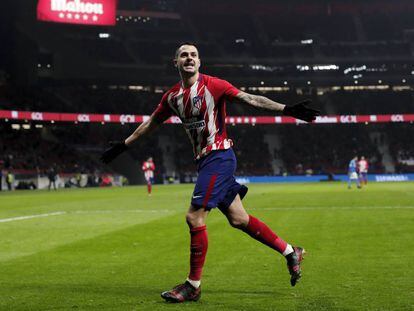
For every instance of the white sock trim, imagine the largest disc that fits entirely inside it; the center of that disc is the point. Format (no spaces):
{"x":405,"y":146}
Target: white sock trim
{"x":195,"y":284}
{"x":288,"y":250}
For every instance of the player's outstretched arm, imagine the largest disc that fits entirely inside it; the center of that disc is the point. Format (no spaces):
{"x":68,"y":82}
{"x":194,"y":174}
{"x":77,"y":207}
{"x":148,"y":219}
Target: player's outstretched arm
{"x":298,"y":111}
{"x":145,"y":128}
{"x":118,"y":147}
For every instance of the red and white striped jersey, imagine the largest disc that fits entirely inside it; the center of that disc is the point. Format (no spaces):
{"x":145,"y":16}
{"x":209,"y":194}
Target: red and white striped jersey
{"x":148,"y":166}
{"x":363,"y":166}
{"x":202,"y":110}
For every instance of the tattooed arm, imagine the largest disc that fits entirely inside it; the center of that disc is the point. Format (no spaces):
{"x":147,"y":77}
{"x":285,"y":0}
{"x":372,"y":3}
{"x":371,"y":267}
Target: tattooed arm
{"x":299,"y":111}
{"x":259,"y":101}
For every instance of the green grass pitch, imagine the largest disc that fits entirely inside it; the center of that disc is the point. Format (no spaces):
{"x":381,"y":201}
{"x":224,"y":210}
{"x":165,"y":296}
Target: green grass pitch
{"x":117,"y":249}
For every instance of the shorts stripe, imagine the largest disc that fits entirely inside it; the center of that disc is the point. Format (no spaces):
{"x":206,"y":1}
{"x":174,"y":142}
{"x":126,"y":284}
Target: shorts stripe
{"x":209,"y":190}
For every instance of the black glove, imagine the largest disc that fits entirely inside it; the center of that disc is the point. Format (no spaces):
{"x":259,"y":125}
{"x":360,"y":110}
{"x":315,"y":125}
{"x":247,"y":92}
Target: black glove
{"x":301,"y":111}
{"x":117,"y":147}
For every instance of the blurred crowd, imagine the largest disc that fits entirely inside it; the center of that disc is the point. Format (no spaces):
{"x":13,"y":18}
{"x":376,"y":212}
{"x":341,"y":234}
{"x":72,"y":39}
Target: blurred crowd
{"x":328,"y":148}
{"x":303,"y":149}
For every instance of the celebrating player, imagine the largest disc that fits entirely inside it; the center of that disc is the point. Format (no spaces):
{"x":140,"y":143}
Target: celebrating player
{"x":363,"y":170}
{"x":353,"y":173}
{"x":148,"y":167}
{"x":199,"y":101}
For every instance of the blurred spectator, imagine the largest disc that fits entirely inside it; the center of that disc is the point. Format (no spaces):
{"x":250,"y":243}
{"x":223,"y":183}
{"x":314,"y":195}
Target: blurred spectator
{"x":52,"y":175}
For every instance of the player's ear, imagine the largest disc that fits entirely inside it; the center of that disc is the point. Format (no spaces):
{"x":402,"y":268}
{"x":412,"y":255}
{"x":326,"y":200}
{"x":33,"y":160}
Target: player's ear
{"x":175,"y":62}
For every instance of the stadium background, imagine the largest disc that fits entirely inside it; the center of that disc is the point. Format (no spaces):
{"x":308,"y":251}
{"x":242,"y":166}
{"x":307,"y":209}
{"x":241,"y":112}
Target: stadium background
{"x":349,"y":58}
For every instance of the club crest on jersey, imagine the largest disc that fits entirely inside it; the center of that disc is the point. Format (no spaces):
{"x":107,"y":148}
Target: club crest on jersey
{"x":197,"y":101}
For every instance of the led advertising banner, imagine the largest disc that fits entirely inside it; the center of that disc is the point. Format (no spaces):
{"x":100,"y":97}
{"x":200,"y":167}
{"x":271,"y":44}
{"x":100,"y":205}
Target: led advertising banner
{"x":85,"y":12}
{"x":10,"y":115}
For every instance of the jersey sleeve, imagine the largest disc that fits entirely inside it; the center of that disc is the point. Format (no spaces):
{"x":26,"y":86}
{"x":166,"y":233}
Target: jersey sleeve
{"x":163,"y":110}
{"x":228,"y":90}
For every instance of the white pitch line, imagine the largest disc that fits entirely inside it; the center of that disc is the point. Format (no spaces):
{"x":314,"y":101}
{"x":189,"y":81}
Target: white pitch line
{"x":31,"y":216}
{"x":82,"y":212}
{"x":123,"y":211}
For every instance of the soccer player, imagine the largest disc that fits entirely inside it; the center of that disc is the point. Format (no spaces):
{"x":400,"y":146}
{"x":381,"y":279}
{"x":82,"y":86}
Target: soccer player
{"x":199,"y":101}
{"x":363,"y":170}
{"x":148,"y":167}
{"x":353,"y":173}
{"x":10,"y":180}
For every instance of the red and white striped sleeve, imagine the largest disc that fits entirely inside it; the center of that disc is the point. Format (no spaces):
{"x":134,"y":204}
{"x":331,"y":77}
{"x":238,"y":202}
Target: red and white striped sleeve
{"x":163,"y":110}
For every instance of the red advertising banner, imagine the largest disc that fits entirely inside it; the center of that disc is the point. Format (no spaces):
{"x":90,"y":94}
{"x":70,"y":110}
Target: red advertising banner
{"x":10,"y":115}
{"x":86,"y":12}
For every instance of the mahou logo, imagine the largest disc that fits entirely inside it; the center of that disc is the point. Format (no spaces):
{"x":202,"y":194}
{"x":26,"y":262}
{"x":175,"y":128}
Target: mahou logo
{"x":94,"y":12}
{"x":77,"y":6}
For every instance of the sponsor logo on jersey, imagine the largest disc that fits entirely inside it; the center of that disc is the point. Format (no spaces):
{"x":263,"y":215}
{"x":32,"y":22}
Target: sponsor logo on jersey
{"x":195,"y":125}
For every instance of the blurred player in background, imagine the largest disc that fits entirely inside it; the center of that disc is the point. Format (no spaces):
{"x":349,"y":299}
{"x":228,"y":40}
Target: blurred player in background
{"x":148,"y":167}
{"x":52,"y":175}
{"x":363,"y":170}
{"x":200,"y":102}
{"x":353,"y":172}
{"x":10,"y":180}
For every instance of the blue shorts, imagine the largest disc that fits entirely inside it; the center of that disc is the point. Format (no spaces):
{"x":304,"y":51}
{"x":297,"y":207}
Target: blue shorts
{"x":216,"y":185}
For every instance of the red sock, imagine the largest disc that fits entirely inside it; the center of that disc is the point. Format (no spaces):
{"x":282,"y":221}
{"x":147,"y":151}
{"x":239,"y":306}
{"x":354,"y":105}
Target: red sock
{"x":198,"y":252}
{"x":262,"y":233}
{"x":149,"y":188}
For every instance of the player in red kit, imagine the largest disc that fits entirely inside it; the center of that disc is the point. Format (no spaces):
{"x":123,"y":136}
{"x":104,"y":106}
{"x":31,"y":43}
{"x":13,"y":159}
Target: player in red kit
{"x":149,"y":167}
{"x":200,"y":101}
{"x":363,"y":171}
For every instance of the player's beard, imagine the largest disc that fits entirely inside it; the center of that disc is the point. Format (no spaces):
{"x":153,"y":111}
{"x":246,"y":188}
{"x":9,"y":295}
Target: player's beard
{"x":188,"y":73}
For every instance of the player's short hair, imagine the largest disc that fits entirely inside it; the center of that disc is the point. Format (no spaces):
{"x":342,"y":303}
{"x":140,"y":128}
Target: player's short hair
{"x":185,"y":43}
